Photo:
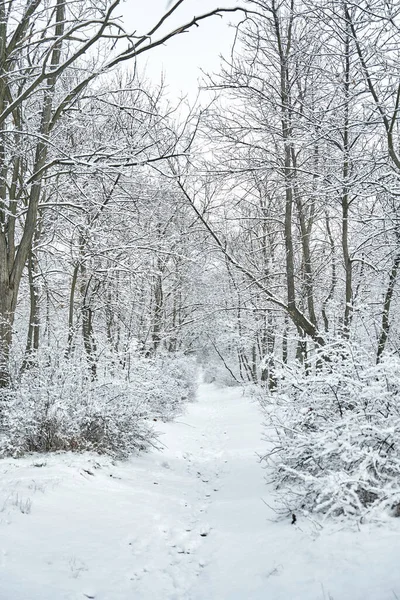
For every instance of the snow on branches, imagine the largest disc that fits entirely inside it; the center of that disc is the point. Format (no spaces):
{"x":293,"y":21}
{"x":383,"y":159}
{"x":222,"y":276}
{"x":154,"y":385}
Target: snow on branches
{"x":60,"y":408}
{"x":336,"y":435}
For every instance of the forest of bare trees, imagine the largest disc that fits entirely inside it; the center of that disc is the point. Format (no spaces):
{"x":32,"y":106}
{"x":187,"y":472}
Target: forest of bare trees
{"x":256,"y":234}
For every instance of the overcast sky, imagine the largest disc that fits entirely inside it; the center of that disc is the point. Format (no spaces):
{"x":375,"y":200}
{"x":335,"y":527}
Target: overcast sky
{"x":182,"y":57}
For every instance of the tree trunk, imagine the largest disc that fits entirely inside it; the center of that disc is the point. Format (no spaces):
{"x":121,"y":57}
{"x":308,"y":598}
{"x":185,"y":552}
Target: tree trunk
{"x":13,"y":259}
{"x":32,"y":342}
{"x":348,"y":266}
{"x":385,"y":327}
{"x":71,"y":311}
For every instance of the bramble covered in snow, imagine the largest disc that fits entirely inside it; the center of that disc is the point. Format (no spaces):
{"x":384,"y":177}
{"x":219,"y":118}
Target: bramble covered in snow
{"x":57,"y":407}
{"x":336,"y":435}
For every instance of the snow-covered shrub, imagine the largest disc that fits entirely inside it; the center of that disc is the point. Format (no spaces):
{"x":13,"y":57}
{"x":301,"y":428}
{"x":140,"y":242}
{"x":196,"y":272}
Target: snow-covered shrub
{"x":54,"y":412}
{"x":176,"y":384}
{"x":336,"y":436}
{"x":56,"y":407}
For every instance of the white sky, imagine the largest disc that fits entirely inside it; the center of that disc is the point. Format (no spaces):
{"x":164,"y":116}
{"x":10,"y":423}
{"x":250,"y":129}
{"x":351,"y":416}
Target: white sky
{"x":182,"y":57}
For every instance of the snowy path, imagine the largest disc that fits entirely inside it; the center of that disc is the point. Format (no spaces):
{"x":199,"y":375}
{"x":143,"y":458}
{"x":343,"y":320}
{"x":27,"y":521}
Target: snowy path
{"x":185,"y":524}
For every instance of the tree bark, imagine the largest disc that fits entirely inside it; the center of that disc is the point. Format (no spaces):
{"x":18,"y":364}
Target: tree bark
{"x":385,"y":326}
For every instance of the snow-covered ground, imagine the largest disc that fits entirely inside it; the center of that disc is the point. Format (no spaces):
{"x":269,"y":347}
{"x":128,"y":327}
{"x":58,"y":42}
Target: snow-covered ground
{"x":185,"y":524}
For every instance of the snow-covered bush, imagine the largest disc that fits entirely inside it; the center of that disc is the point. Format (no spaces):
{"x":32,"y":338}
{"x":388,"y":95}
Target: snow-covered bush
{"x":336,"y":435}
{"x":56,"y":407}
{"x":176,"y":383}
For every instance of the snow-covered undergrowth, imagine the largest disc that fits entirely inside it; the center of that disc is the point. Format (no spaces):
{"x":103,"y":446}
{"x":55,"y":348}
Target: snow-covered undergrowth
{"x":336,"y":436}
{"x":57,"y":407}
{"x":190,"y":522}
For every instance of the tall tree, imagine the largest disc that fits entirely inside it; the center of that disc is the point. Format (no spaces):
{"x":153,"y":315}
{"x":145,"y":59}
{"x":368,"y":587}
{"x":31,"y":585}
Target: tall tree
{"x":49,"y":56}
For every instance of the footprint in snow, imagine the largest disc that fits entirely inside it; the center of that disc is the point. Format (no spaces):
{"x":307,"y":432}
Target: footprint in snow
{"x":137,"y":575}
{"x":205,"y":530}
{"x":202,"y":563}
